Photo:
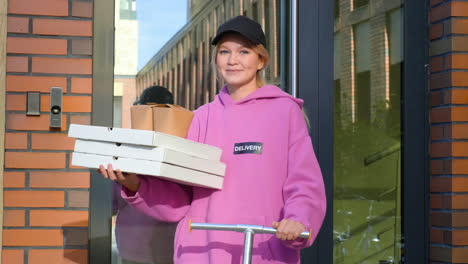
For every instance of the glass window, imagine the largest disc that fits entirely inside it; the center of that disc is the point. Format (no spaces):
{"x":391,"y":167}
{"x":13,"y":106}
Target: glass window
{"x":127,"y":9}
{"x":367,"y":135}
{"x":359,"y":3}
{"x":167,"y":43}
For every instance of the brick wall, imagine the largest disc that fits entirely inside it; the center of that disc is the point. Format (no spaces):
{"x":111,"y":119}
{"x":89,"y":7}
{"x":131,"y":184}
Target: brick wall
{"x":449,"y":131}
{"x":49,"y":43}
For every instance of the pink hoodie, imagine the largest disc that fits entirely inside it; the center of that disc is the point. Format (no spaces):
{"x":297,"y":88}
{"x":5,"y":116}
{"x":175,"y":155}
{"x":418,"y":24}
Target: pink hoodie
{"x":273,"y":175}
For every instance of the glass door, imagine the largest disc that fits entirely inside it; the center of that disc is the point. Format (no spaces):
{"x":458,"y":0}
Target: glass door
{"x":368,"y":61}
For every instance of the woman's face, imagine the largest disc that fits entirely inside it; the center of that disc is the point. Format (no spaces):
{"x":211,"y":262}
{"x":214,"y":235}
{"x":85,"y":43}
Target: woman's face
{"x":237,"y":62}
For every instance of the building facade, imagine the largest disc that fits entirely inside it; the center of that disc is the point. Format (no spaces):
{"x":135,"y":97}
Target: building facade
{"x":384,"y":83}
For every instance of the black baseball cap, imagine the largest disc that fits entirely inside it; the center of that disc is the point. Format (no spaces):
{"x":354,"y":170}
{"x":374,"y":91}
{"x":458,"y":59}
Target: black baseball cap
{"x":243,"y":26}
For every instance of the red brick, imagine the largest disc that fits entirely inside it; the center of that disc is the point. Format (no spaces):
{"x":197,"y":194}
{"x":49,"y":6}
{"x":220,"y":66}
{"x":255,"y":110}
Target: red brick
{"x":452,"y":201}
{"x":14,"y":218}
{"x":454,"y":131}
{"x":459,"y":166}
{"x":440,"y":254}
{"x":12,"y":256}
{"x":449,"y":184}
{"x":438,"y":167}
{"x":459,"y":201}
{"x":18,"y":25}
{"x":14,"y":179}
{"x":459,"y":114}
{"x":459,"y":237}
{"x":16,"y":102}
{"x":441,"y":149}
{"x":78,"y":199}
{"x":31,"y":123}
{"x":437,"y":201}
{"x":457,"y":61}
{"x":82,"y":85}
{"x":459,"y":9}
{"x":437,"y":64}
{"x":34,"y":199}
{"x":58,"y":218}
{"x":37,"y":46}
{"x":16,"y":141}
{"x":80,"y":119}
{"x":82,"y":9}
{"x":34,"y":160}
{"x":439,"y":80}
{"x":457,"y":149}
{"x":459,"y":26}
{"x":440,"y":184}
{"x":459,"y":96}
{"x":17,"y":64}
{"x":38,"y":7}
{"x":63,"y":256}
{"x":437,"y":98}
{"x":62,"y":65}
{"x":34,"y":83}
{"x":437,"y":236}
{"x":441,"y":219}
{"x":440,"y":12}
{"x":459,"y":78}
{"x":460,"y":184}
{"x":82,"y":46}
{"x":31,"y":237}
{"x":449,"y":114}
{"x":76,"y":104}
{"x":436,"y":31}
{"x":459,"y":255}
{"x":55,"y":179}
{"x":437,"y":132}
{"x":449,"y":9}
{"x":53,"y":141}
{"x":62,"y":27}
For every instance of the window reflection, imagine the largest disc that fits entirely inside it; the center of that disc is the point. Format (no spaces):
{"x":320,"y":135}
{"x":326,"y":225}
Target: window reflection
{"x":360,"y":3}
{"x":367,"y":173}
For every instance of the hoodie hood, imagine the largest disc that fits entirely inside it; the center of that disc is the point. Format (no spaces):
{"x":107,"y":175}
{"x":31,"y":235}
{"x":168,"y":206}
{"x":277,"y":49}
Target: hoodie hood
{"x":264,"y":92}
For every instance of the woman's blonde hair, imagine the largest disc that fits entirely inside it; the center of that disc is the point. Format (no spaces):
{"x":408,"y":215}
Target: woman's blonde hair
{"x":262,"y":54}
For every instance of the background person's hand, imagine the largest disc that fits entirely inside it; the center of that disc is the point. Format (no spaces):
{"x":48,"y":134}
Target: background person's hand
{"x":288,"y":229}
{"x":130,"y":180}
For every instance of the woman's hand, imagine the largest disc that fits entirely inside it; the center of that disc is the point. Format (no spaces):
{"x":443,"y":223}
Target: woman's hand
{"x":288,"y":229}
{"x":130,"y":180}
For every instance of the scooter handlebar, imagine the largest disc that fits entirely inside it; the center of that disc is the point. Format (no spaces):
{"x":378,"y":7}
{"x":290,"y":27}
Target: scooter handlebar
{"x":241,"y":228}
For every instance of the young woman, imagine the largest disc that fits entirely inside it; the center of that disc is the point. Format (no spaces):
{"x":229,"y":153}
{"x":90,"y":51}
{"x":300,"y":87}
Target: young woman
{"x":272,"y":176}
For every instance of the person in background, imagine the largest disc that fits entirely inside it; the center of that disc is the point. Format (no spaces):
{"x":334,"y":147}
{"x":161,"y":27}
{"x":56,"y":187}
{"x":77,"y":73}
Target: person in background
{"x":140,"y":238}
{"x":272,"y":176}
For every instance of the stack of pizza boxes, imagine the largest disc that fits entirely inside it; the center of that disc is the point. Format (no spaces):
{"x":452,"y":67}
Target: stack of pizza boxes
{"x":155,"y":146}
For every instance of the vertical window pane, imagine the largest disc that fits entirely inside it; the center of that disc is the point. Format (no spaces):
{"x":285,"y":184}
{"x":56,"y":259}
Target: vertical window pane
{"x":359,"y":3}
{"x":367,"y":174}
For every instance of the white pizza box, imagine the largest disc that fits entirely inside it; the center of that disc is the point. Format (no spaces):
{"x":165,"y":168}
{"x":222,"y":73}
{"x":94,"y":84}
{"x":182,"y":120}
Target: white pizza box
{"x":151,"y":168}
{"x":145,"y":138}
{"x":149,"y":153}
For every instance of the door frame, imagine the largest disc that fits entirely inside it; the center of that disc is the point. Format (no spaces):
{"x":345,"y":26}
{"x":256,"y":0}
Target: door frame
{"x":100,"y":194}
{"x":315,"y":86}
